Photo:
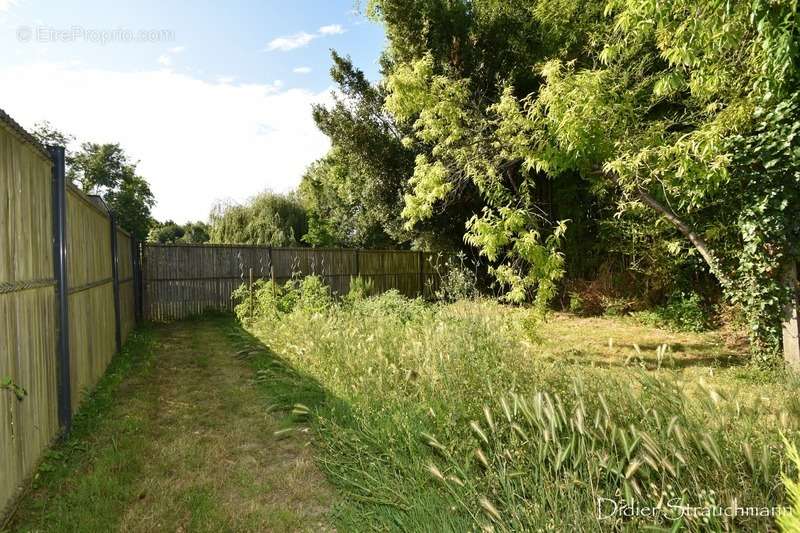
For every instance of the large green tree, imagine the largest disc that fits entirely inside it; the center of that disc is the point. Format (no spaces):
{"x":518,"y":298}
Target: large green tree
{"x":106,"y":170}
{"x":355,"y":193}
{"x":656,"y":105}
{"x":268,"y":218}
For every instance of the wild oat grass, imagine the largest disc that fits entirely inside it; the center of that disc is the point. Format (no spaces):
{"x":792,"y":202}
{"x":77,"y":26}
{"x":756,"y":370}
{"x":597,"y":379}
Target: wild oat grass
{"x":454,"y":417}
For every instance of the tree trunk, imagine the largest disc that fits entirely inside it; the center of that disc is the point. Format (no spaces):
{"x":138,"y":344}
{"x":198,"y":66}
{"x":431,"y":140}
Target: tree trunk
{"x":696,"y":240}
{"x":791,"y":327}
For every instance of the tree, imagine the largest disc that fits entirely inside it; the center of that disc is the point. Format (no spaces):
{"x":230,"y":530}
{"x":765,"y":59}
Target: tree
{"x":196,"y":232}
{"x":643,"y":100}
{"x":268,"y":218}
{"x":168,"y":232}
{"x":355,"y":193}
{"x":106,"y":170}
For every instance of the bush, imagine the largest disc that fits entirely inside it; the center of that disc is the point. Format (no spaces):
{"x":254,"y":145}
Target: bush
{"x":360,"y":288}
{"x":269,"y":301}
{"x":682,"y":312}
{"x":458,"y":282}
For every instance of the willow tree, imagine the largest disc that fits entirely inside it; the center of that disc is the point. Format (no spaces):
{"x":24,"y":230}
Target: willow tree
{"x":684,"y":109}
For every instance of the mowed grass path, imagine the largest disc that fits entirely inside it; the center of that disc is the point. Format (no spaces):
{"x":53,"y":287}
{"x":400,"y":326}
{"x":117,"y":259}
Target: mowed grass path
{"x":178,"y":438}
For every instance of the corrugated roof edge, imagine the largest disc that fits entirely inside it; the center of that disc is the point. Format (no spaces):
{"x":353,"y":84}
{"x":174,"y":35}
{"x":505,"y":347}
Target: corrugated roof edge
{"x":22,"y":132}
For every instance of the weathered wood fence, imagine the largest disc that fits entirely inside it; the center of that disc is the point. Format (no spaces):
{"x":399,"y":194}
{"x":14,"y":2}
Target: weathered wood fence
{"x":67,"y":300}
{"x":182,"y":280}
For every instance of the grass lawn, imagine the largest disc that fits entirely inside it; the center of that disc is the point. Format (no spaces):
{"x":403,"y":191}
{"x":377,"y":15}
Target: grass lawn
{"x":178,"y":438}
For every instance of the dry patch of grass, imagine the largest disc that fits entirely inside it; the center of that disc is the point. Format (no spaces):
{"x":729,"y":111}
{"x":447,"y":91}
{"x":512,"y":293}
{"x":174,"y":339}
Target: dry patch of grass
{"x":200,"y":454}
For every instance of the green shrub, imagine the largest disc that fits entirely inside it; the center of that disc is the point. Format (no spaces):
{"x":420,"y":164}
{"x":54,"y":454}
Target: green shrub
{"x":268,"y":301}
{"x":360,"y":288}
{"x":458,"y":282}
{"x":575,"y":303}
{"x":682,"y":312}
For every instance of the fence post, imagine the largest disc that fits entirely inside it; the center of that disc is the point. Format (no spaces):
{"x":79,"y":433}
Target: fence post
{"x":421,"y":256}
{"x":358,"y":265}
{"x":135,"y":268}
{"x":791,"y":325}
{"x":141,"y":263}
{"x":115,"y":278}
{"x":62,"y":289}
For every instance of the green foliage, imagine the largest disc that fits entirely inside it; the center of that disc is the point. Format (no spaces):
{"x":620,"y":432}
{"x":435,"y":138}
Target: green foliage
{"x":760,"y":229}
{"x":790,"y":521}
{"x":682,"y":312}
{"x":360,"y":288}
{"x":9,"y":385}
{"x":457,"y":280}
{"x":169,"y":232}
{"x":107,"y":171}
{"x":269,"y":218}
{"x":353,"y":192}
{"x":269,"y":301}
{"x":672,"y":111}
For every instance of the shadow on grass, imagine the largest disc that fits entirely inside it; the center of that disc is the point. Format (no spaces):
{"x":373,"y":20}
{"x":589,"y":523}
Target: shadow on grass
{"x":289,"y":390}
{"x":381,"y":483}
{"x":676,"y":359}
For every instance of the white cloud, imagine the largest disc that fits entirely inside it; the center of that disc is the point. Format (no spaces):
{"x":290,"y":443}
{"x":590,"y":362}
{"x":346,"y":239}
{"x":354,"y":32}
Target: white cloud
{"x":197,"y":141}
{"x":331,"y":29}
{"x":301,"y":70}
{"x":284,"y":44}
{"x":5,"y":5}
{"x":164,"y":60}
{"x":299,"y":40}
{"x":177,"y":49}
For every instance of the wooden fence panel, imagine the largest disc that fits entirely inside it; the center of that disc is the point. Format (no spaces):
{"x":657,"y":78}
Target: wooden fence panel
{"x":27,"y":309}
{"x":29,"y":302}
{"x":182,"y":280}
{"x":91,"y":293}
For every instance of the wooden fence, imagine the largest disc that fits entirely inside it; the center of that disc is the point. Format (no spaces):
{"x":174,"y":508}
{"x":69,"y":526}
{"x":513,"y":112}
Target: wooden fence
{"x":181,"y":280}
{"x":66,"y":301}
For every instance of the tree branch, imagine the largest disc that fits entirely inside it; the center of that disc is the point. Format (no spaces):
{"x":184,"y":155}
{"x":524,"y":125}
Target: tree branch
{"x":698,"y":242}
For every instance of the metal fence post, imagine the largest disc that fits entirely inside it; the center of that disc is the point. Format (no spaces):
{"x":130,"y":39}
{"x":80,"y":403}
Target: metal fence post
{"x":62,"y":289}
{"x":141,"y":265}
{"x":358,"y":264}
{"x":115,"y":277}
{"x":135,"y":271}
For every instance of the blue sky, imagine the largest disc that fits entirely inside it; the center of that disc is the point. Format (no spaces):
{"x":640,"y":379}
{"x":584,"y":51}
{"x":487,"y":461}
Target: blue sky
{"x":230,"y":84}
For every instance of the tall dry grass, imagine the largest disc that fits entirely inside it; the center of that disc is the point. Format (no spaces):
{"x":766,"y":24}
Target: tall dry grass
{"x":440,"y":418}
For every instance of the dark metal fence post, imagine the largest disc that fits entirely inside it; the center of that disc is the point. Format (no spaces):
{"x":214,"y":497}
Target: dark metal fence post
{"x":358,"y":265}
{"x":115,"y":277}
{"x":136,"y":281}
{"x":422,"y":274}
{"x":62,"y":290}
{"x":141,"y":265}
